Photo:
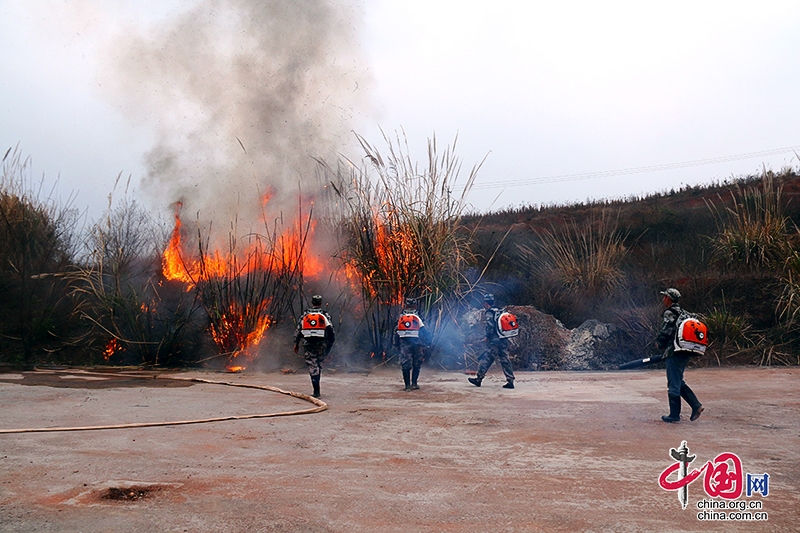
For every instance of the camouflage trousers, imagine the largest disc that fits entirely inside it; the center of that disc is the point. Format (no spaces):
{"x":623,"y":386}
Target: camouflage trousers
{"x":499,"y":351}
{"x":411,"y":355}
{"x":314,"y":353}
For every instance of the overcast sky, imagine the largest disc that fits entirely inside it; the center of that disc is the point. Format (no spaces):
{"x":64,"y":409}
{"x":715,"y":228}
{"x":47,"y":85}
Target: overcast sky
{"x":570,"y":100}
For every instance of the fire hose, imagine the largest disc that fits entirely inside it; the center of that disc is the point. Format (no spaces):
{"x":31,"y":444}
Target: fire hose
{"x":319,"y":407}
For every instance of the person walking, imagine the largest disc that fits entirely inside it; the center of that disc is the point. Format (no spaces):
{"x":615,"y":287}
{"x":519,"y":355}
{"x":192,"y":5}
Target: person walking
{"x":496,"y":347}
{"x":676,"y":360}
{"x":315,"y":329}
{"x":410,"y":337}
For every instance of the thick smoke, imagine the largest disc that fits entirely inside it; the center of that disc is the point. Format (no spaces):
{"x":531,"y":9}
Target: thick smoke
{"x":243,"y":95}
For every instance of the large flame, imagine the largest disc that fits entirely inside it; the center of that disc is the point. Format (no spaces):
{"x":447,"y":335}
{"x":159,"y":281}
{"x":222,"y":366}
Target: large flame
{"x":172,"y":263}
{"x":238,"y":328}
{"x":178,"y":265}
{"x":291,"y":252}
{"x":394,"y":263}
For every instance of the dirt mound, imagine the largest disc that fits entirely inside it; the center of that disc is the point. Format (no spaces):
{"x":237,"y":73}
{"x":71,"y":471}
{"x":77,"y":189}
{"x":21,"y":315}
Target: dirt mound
{"x":544,"y":343}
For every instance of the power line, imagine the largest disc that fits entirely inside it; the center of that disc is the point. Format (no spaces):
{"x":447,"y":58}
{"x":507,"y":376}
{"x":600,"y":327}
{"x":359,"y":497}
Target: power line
{"x":633,"y":170}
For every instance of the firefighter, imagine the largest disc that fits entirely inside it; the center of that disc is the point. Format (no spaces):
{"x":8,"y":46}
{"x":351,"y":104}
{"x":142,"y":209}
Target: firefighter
{"x":315,"y":328}
{"x":676,"y":361}
{"x":496,"y":347}
{"x":411,"y":337}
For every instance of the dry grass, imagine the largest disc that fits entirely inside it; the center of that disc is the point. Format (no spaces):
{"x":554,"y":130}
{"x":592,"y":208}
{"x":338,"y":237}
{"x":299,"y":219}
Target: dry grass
{"x":728,"y":332}
{"x":585,"y":259}
{"x":251,"y":287}
{"x":788,"y":307}
{"x":752,"y":232}
{"x":134,"y":317}
{"x":401,"y":233}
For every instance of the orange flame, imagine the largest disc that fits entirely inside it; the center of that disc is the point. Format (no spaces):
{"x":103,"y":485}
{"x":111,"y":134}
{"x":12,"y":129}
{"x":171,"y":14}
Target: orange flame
{"x":178,"y":265}
{"x":238,"y":330}
{"x":112,"y":347}
{"x":228,"y":333}
{"x":172,"y":264}
{"x":397,"y":262}
{"x":291,"y":253}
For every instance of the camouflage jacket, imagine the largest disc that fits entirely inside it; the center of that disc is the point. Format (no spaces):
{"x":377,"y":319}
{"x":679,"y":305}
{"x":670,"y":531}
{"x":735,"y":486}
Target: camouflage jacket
{"x":491,"y":325}
{"x":666,"y":333}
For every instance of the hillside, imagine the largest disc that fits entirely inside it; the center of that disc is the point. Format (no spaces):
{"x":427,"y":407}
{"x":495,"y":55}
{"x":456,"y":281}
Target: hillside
{"x":730,"y":248}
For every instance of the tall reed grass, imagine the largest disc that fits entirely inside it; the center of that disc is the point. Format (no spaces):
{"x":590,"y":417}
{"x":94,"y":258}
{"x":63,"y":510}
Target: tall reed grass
{"x":582,"y":258}
{"x":134,"y":316}
{"x":752,"y":230}
{"x":401,"y":233}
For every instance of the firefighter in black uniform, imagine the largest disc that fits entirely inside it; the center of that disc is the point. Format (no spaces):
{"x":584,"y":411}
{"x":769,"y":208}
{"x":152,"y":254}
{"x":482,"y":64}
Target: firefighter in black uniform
{"x":496,"y":347}
{"x":676,"y":361}
{"x":315,"y":328}
{"x":411,"y":337}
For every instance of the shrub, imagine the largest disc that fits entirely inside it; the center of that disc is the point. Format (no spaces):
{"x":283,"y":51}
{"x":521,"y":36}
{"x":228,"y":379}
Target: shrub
{"x":36,"y":248}
{"x":788,"y":306}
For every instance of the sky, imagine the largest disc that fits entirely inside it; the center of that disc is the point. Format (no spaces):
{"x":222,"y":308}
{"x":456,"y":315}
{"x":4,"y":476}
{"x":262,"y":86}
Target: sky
{"x":562,"y":101}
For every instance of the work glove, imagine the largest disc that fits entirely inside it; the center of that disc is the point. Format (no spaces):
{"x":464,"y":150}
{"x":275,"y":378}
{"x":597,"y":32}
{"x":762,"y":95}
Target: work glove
{"x":296,"y":348}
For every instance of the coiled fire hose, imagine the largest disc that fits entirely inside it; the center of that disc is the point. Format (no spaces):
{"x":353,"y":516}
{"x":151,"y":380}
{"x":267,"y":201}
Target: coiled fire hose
{"x":319,"y":407}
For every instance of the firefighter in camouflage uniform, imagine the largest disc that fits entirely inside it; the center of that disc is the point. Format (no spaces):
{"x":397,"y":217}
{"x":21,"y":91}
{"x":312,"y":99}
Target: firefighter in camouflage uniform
{"x":315,"y":329}
{"x":676,"y":361}
{"x":411,"y":337}
{"x":496,"y":347}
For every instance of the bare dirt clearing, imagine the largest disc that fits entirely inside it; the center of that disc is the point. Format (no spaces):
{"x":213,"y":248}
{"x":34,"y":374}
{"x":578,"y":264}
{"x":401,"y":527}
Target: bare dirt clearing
{"x":564,"y":451}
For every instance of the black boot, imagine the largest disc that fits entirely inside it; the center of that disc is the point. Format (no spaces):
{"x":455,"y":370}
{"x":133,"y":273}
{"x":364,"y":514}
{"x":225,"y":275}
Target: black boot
{"x":407,"y":379}
{"x":315,"y":384}
{"x":674,"y":410}
{"x":475,"y":381}
{"x":414,"y":377}
{"x":509,"y":384}
{"x":688,"y":395}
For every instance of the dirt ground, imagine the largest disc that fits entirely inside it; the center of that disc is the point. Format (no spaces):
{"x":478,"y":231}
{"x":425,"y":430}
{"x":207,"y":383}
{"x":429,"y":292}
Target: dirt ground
{"x":564,"y":451}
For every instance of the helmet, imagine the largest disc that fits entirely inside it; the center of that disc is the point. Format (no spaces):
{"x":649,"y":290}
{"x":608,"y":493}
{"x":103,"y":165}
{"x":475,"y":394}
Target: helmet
{"x":316,"y":300}
{"x":411,"y":302}
{"x":672,"y":294}
{"x":488,"y":298}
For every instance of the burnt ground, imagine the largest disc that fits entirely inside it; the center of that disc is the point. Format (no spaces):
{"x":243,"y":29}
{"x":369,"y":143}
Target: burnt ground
{"x":564,"y":451}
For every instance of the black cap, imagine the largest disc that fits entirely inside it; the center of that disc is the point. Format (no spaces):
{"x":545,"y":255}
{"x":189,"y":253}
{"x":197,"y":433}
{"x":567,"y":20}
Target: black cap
{"x":316,"y":299}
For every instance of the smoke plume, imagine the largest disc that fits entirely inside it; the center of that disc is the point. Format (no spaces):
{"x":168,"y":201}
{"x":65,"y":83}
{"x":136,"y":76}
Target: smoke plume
{"x":242,"y":95}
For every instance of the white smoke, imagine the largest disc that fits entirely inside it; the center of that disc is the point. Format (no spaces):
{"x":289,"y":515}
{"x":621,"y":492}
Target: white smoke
{"x":242,"y":95}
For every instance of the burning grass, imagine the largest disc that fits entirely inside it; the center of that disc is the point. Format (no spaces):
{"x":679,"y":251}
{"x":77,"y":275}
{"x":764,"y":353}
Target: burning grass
{"x":245,"y":290}
{"x":135,"y":317}
{"x":158,"y":295}
{"x":401,"y":234}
